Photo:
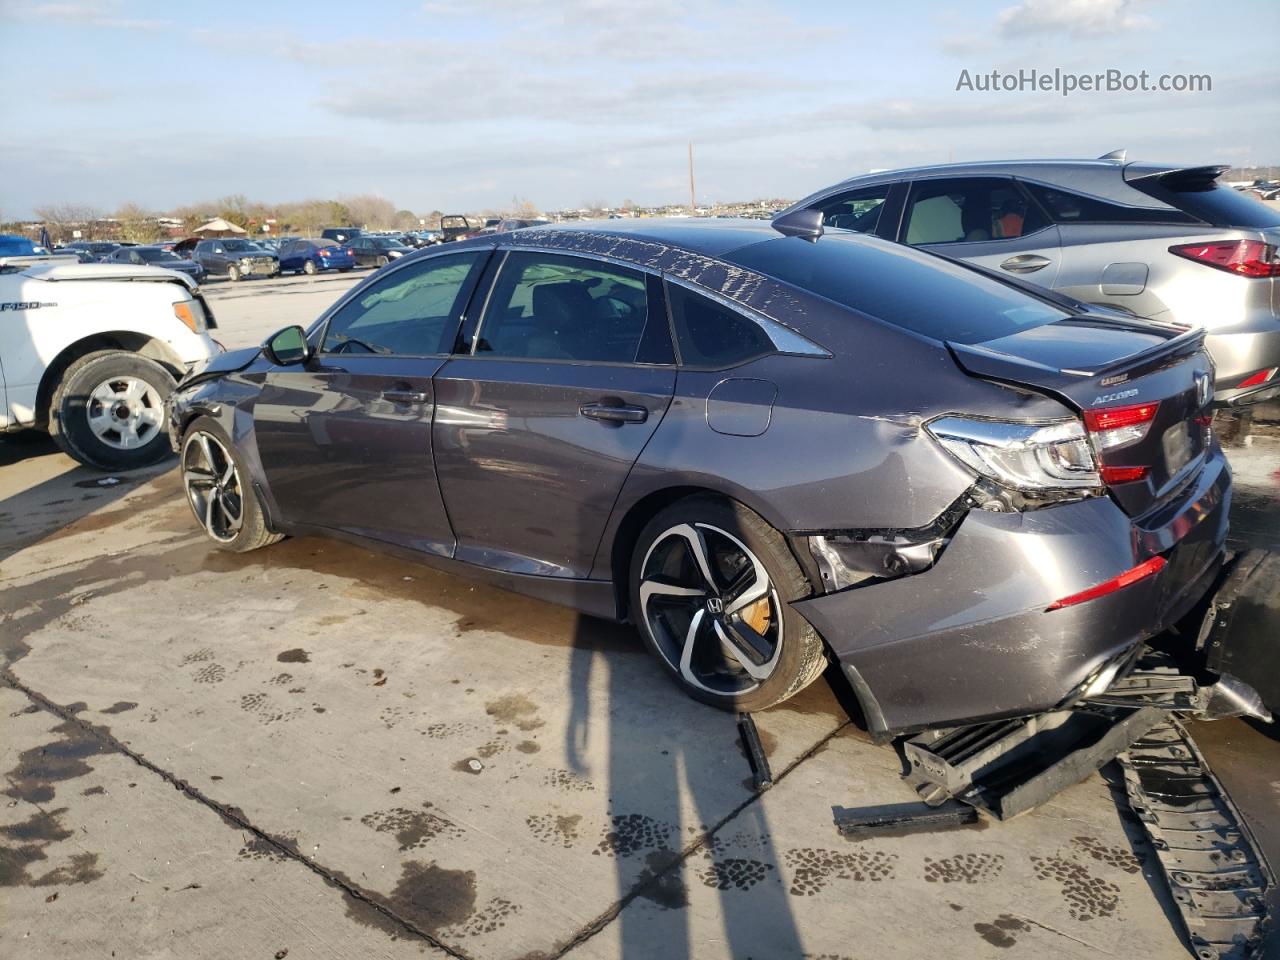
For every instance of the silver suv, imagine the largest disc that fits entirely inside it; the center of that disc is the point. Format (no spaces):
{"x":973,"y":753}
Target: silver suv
{"x":1159,"y":241}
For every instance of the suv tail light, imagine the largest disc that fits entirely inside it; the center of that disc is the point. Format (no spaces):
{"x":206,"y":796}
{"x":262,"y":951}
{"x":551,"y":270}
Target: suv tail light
{"x":1248,"y":258}
{"x":1261,"y":377}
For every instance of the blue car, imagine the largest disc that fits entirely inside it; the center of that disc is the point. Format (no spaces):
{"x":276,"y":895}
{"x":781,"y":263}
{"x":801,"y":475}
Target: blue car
{"x":12,"y":246}
{"x":310,"y":256}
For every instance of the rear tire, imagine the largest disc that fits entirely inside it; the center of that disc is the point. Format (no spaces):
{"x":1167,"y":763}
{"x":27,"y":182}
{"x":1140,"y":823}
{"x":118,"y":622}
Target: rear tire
{"x":107,"y":410}
{"x":309,"y":268}
{"x":689,"y":626}
{"x":220,"y":491}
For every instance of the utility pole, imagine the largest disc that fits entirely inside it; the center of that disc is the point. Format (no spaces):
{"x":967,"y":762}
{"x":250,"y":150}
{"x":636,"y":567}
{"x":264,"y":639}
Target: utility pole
{"x":693,"y":203}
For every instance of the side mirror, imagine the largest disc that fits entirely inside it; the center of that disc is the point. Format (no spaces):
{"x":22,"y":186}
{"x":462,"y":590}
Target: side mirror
{"x":287,"y":347}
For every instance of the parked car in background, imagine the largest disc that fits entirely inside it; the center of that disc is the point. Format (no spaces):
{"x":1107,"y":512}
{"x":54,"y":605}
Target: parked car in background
{"x":378,"y":251}
{"x":270,"y":244}
{"x":456,"y":225}
{"x":157,"y":257}
{"x":95,"y":248}
{"x":517,"y":223}
{"x":310,"y":256}
{"x":91,"y":352}
{"x":84,"y":256}
{"x":12,"y":245}
{"x":236,"y":258}
{"x":340,"y":234}
{"x":1155,"y":240}
{"x":699,"y":426}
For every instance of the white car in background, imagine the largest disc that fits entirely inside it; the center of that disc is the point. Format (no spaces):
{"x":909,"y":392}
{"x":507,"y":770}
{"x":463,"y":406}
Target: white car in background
{"x":90,"y":352}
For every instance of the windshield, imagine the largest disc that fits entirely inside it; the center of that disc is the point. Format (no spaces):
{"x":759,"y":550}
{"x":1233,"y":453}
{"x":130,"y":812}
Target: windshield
{"x":925,"y":294}
{"x":238,"y":245}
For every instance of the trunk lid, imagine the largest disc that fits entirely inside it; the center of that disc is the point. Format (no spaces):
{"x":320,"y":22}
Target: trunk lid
{"x":1143,"y":390}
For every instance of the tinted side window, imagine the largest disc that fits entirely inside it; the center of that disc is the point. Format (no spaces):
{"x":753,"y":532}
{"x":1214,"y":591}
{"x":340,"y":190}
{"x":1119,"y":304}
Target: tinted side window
{"x":710,"y":334}
{"x":550,"y":307}
{"x":969,"y":210}
{"x":410,"y":312}
{"x":1067,"y":207}
{"x":857,"y":210}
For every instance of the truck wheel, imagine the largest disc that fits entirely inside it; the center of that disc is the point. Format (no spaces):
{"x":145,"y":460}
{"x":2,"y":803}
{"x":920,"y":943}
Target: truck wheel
{"x":108,"y":411}
{"x":309,"y":268}
{"x":233,"y":274}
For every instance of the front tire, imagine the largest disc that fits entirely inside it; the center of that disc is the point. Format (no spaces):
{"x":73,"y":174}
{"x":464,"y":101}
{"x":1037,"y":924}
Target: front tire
{"x":220,"y":490}
{"x":233,"y":274}
{"x":107,"y":410}
{"x":309,"y":268}
{"x":711,"y":585}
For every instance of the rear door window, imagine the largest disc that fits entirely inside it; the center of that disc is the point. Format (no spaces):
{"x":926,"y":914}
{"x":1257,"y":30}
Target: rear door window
{"x":554,"y":307}
{"x":969,"y":210}
{"x":410,"y":312}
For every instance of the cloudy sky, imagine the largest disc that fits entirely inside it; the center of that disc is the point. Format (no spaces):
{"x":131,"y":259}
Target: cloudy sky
{"x":463,"y":104}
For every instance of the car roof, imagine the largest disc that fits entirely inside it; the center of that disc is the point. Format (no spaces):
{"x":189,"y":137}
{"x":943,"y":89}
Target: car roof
{"x":1104,"y":179}
{"x":709,"y":237}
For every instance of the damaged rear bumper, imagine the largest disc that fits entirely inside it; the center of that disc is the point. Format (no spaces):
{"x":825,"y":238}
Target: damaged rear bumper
{"x":972,"y":638}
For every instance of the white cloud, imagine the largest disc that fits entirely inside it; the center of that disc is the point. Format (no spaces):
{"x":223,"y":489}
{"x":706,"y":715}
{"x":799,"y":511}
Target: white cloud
{"x":1079,"y":18}
{"x":83,"y":14}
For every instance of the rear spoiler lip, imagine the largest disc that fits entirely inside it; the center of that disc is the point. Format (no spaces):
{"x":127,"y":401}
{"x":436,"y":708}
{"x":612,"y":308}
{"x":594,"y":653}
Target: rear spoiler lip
{"x":1004,"y":366}
{"x":1158,"y":171}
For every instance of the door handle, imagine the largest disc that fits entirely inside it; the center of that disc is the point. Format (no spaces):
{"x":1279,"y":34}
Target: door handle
{"x":1025,"y":263}
{"x":614,"y":413}
{"x":405,"y":396}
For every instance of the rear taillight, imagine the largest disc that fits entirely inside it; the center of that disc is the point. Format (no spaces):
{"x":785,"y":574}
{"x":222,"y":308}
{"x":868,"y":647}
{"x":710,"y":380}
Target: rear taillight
{"x":324,"y":252}
{"x":1259,"y":378}
{"x":1248,"y":258}
{"x":1024,"y":456}
{"x":1128,"y":578}
{"x":351,"y":253}
{"x":1114,"y":475}
{"x":1118,"y":426}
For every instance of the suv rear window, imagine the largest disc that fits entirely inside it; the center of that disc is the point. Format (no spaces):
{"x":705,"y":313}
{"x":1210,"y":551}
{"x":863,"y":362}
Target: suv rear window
{"x":926,"y":294}
{"x":1211,"y":202}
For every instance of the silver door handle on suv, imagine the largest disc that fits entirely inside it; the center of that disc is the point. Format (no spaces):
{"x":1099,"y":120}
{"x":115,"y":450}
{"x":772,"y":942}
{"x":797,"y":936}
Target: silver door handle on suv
{"x":614,"y":413}
{"x":1025,"y":263}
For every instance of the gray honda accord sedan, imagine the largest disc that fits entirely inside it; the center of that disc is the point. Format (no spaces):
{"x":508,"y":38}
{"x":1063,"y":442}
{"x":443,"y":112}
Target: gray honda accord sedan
{"x":768,"y":448}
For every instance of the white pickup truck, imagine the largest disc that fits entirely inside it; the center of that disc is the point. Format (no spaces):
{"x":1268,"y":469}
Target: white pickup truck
{"x":90,"y":352}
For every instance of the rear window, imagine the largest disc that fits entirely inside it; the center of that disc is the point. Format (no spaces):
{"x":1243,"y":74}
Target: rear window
{"x":919,"y":292}
{"x":1211,"y":202}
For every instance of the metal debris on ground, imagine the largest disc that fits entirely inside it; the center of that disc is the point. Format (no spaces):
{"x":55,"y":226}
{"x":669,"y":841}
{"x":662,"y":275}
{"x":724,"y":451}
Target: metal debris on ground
{"x":1215,"y":871}
{"x":761,"y":775}
{"x":899,"y":819}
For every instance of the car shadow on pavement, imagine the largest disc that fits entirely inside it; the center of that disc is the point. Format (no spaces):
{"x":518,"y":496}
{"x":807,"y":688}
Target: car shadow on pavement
{"x":669,"y":854}
{"x":67,"y":494}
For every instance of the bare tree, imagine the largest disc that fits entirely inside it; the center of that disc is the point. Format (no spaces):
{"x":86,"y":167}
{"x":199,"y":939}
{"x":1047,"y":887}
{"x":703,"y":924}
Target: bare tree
{"x":62,"y":219}
{"x":136,"y":225}
{"x":370,"y":210}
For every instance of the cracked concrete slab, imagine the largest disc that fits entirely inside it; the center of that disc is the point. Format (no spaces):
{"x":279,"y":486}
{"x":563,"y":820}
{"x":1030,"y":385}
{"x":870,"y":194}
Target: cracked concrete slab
{"x":100,"y":858}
